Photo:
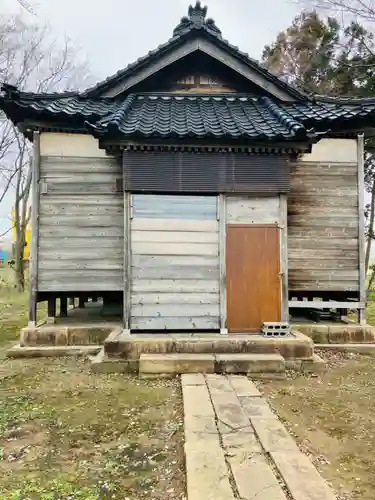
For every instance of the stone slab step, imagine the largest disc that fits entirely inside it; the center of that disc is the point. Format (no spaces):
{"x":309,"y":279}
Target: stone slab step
{"x":301,"y":477}
{"x":176,"y":363}
{"x":211,"y":363}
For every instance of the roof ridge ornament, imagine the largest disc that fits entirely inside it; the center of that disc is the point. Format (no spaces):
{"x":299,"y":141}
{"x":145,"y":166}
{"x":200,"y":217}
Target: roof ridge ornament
{"x":197,"y":14}
{"x":196,"y":18}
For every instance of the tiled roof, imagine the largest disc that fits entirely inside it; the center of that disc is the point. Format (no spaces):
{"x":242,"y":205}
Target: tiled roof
{"x":192,"y":115}
{"x":65,"y":104}
{"x":199,"y":116}
{"x":193,"y":24}
{"x":229,"y":115}
{"x":328,"y":110}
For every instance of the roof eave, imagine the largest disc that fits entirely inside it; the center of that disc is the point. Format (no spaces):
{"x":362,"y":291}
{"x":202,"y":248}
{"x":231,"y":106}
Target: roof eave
{"x":174,"y":43}
{"x":113,"y":133}
{"x":244,"y":57}
{"x":103,"y":85}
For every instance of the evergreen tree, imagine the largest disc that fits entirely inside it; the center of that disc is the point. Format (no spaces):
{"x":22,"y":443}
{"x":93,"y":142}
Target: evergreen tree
{"x":320,"y":56}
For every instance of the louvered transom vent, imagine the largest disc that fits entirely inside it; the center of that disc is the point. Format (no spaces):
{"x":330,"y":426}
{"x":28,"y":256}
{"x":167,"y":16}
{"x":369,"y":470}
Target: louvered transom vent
{"x":185,"y":172}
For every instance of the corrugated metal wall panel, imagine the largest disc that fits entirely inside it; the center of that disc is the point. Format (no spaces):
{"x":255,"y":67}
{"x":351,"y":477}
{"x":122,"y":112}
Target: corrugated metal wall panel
{"x":205,"y":172}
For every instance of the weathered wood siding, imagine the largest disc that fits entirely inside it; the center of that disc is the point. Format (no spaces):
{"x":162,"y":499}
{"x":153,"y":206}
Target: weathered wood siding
{"x":249,"y":210}
{"x":81,"y":223}
{"x":323,"y":220}
{"x":175,"y":263}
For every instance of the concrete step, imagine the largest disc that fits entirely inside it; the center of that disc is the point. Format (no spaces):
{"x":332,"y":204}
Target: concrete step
{"x":132,"y":346}
{"x":351,"y":348}
{"x":101,"y":363}
{"x":315,"y":364}
{"x":249,"y":363}
{"x":252,"y":364}
{"x":53,"y":351}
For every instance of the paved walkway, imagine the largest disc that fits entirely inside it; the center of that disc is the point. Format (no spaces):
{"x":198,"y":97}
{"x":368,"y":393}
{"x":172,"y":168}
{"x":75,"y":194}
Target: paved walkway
{"x":237,"y":448}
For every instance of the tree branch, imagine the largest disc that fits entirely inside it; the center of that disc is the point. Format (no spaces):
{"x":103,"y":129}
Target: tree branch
{"x":32,"y":59}
{"x":356,"y":8}
{"x":6,"y":232}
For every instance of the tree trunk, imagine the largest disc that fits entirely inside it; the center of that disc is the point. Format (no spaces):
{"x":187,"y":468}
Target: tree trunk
{"x":21,"y":216}
{"x":371,"y":280}
{"x":19,"y":250}
{"x":371,"y":228}
{"x":19,"y":263}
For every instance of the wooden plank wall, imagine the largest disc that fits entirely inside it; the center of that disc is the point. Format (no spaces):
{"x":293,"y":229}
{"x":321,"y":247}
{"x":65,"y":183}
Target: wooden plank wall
{"x":323,"y":227}
{"x":175,"y":263}
{"x":248,"y":210}
{"x":81,"y":225}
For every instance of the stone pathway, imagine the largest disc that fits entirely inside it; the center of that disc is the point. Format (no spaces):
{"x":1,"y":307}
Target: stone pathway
{"x":237,"y":448}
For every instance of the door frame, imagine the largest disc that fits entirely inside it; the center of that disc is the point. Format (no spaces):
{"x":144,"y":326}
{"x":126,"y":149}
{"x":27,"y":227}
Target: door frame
{"x":222,"y":217}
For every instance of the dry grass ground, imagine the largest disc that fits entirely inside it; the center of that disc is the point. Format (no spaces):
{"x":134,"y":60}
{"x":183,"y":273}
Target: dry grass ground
{"x":65,"y":433}
{"x":13,"y":308}
{"x":371,"y":313}
{"x":333,"y":419}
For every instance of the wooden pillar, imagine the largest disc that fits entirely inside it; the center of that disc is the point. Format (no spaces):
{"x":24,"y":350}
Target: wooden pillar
{"x":34,"y":223}
{"x":361,"y":226}
{"x":222,"y":216}
{"x":127,"y":260}
{"x":51,"y":310}
{"x":63,"y":307}
{"x":82,"y":301}
{"x":283,"y":211}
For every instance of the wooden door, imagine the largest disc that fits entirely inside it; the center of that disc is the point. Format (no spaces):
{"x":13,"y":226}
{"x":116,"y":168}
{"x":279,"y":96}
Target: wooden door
{"x":253,"y":277}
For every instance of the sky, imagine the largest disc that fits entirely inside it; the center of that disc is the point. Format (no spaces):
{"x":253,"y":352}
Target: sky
{"x":114,"y":33}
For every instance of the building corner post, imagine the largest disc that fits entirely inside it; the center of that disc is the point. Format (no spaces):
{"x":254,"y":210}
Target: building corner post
{"x":284,"y":257}
{"x":127,"y":261}
{"x":34,"y":247}
{"x":361,"y":225}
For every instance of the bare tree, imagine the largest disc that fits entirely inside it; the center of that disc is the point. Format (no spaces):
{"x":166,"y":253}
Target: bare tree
{"x":27,"y":6}
{"x":363,"y":10}
{"x":33,"y":60}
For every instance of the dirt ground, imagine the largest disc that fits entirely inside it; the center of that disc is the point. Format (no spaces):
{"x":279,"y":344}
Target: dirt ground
{"x":332,"y":417}
{"x":68,"y":434}
{"x":65,"y":433}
